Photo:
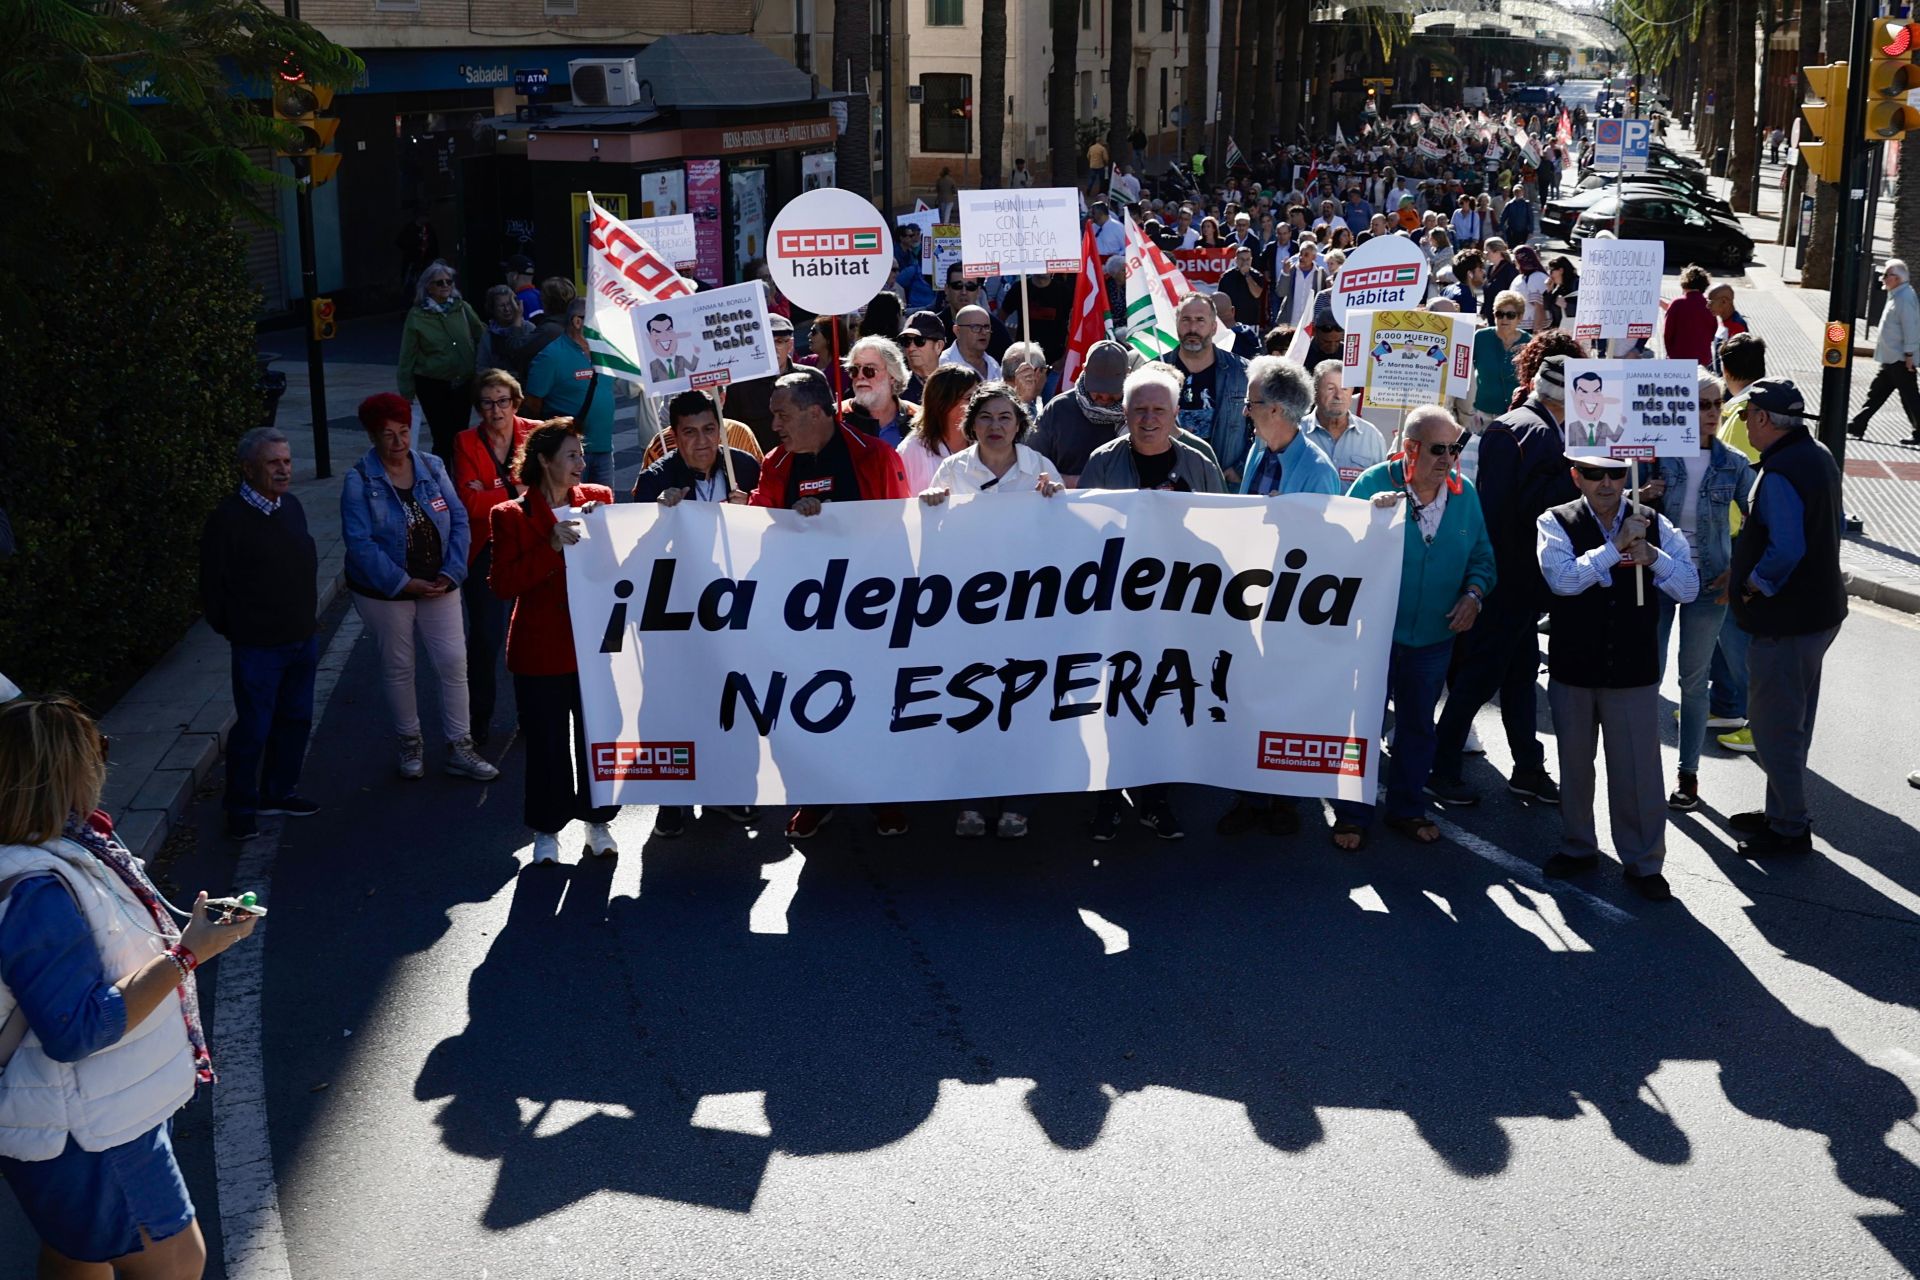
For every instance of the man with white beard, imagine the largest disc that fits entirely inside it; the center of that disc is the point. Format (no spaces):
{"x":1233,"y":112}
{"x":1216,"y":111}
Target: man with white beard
{"x":878,"y":372}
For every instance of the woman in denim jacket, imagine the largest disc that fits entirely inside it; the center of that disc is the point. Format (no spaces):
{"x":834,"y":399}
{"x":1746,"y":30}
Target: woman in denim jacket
{"x":406,"y":535}
{"x":1697,"y":498}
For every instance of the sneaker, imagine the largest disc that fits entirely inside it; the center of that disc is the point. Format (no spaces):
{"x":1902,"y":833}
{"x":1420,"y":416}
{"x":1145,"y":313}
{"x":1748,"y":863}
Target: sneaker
{"x":807,"y":820}
{"x":1163,"y":822}
{"x":1450,"y":793}
{"x":1474,"y":746}
{"x":600,"y":841}
{"x":1768,"y":843}
{"x":970,"y":825}
{"x":464,"y":762}
{"x":1913,"y":779}
{"x":291,"y":807}
{"x":1729,"y":724}
{"x":741,"y":813}
{"x":1106,"y":821}
{"x":546,"y":848}
{"x":1740,"y":740}
{"x":1654,"y":887}
{"x":1012,"y":826}
{"x":242,"y":826}
{"x":1686,"y":796}
{"x":413,"y":758}
{"x":1534,"y":784}
{"x":889,"y":820}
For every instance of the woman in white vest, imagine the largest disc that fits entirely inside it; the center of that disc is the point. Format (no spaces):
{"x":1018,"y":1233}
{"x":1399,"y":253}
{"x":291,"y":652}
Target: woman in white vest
{"x":101,"y":1039}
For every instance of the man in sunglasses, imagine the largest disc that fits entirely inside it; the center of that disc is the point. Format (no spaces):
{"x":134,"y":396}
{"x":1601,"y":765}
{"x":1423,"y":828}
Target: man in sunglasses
{"x":966,"y":291}
{"x":923,"y":341}
{"x":1603,"y":664}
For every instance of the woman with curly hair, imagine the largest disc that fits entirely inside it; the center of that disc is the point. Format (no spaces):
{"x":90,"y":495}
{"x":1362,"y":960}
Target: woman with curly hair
{"x":1526,"y":365}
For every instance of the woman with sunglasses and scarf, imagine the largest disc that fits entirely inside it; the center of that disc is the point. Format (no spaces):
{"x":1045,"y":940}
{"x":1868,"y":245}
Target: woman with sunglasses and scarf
{"x":102,"y":1040}
{"x":1494,"y":349}
{"x":1446,"y":573}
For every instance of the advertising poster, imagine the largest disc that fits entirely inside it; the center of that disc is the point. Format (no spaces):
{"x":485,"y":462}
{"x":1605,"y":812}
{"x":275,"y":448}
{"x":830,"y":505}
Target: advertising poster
{"x":748,"y":188}
{"x":703,"y":202}
{"x":663,"y":194}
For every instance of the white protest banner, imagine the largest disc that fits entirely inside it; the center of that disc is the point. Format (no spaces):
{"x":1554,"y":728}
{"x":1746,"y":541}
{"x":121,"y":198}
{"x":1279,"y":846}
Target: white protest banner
{"x":830,"y":251}
{"x":624,"y":272}
{"x":703,"y":340}
{"x":1027,"y":231}
{"x":1406,"y":359}
{"x":1387,"y":273}
{"x":1619,"y":288}
{"x":1634,"y":408}
{"x":672,"y":237}
{"x":997,"y":645}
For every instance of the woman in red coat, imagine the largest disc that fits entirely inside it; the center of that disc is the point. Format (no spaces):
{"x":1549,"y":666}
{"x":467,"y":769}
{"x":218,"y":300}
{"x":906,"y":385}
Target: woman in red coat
{"x":529,"y":537}
{"x":483,"y":473}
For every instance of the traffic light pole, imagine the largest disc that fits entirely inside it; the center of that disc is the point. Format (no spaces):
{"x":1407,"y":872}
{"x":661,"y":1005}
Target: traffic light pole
{"x":309,"y":290}
{"x":1836,"y":380}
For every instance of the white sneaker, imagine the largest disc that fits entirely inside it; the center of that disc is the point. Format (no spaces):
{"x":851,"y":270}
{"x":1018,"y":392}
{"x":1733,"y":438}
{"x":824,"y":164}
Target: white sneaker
{"x":600,"y":841}
{"x":1722,"y":724}
{"x":1474,"y":746}
{"x":546,"y":848}
{"x":413,"y":762}
{"x":464,"y":762}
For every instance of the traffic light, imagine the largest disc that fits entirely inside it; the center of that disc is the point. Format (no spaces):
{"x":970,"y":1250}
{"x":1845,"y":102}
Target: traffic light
{"x":321,"y":319}
{"x":1891,"y":75}
{"x":298,"y":102}
{"x":1825,"y":116}
{"x":1837,"y":347}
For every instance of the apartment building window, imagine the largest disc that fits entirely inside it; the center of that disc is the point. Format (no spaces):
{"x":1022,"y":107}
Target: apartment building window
{"x":944,"y":123}
{"x":1166,"y":15}
{"x":1140,"y":14}
{"x":562,"y":8}
{"x":1086,"y":15}
{"x":946,"y":13}
{"x":396,"y":6}
{"x":1163,"y":97}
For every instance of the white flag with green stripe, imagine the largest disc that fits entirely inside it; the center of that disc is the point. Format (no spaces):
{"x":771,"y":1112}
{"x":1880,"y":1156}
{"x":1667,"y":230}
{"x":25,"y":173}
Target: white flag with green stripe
{"x":1154,"y":289}
{"x":624,"y":272}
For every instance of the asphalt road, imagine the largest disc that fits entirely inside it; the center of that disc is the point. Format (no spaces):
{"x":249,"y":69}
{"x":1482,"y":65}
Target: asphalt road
{"x":927,"y":1057}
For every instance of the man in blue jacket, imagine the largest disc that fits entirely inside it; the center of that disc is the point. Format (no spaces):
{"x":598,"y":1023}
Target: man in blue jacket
{"x":1213,"y":387}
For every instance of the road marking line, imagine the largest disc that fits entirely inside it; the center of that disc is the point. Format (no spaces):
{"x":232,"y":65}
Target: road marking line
{"x":251,"y":1233}
{"x":1520,"y":869}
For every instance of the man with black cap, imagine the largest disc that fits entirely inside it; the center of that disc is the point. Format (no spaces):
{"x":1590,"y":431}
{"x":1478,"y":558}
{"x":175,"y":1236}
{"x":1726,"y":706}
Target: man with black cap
{"x":1086,"y":415}
{"x":923,"y":341}
{"x":1787,"y":593}
{"x":519,"y":269}
{"x":1603,"y":663}
{"x":1523,"y":472}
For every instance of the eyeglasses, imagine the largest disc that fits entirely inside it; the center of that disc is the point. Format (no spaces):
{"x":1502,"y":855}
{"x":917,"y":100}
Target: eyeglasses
{"x":913,"y":340}
{"x":1710,"y":402}
{"x":1251,"y":405}
{"x":496,"y":402}
{"x":965,"y":286}
{"x":1506,"y":315}
{"x":1445,"y":450}
{"x":1597,"y":473}
{"x":866,"y":370}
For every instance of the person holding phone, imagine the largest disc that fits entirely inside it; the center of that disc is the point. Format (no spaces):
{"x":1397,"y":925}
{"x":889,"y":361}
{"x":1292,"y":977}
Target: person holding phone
{"x":102,"y":1039}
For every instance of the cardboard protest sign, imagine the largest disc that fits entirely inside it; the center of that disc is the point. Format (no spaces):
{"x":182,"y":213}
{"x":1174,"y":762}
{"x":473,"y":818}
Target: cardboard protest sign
{"x":1619,"y":288}
{"x":673,"y":237}
{"x":830,"y":251}
{"x":705,"y":340}
{"x":739,"y":655}
{"x":1387,"y":273}
{"x":1028,"y":231}
{"x":1634,"y":408}
{"x":1406,"y":359}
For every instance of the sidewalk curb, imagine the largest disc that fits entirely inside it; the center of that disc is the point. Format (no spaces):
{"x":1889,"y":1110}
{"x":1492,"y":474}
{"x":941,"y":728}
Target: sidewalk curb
{"x":1894,"y":595}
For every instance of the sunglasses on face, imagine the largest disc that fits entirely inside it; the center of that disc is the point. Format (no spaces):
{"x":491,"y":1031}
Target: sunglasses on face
{"x":865,"y":371}
{"x":1506,"y":315}
{"x":913,"y":340}
{"x":1597,"y":473}
{"x":1440,"y":450}
{"x":965,"y":286}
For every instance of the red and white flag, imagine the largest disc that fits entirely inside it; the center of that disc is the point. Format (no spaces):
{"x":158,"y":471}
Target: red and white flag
{"x":1089,"y":323}
{"x":1563,"y":130}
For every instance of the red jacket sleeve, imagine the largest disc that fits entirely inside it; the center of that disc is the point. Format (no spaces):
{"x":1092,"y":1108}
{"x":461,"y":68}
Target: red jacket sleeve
{"x":772,"y":489}
{"x":523,"y":557}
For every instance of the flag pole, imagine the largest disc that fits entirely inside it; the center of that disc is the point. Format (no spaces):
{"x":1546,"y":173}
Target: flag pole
{"x":1025,"y":335}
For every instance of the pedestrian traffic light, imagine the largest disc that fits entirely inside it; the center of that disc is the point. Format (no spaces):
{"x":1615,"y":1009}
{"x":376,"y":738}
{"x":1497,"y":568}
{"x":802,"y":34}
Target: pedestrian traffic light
{"x":321,"y":319}
{"x":1891,"y":75}
{"x":1835,"y":350}
{"x":297,"y":103}
{"x":1825,"y":115}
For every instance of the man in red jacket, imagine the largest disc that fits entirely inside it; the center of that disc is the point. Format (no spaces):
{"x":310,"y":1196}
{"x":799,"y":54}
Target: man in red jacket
{"x":819,"y":461}
{"x":1691,"y":323}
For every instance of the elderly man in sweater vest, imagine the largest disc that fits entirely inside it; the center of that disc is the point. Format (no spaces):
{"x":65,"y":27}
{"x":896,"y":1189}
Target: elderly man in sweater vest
{"x":1603,"y":662}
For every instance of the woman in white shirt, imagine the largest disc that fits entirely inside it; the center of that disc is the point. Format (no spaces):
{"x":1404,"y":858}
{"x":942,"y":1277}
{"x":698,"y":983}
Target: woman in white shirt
{"x":1531,"y":284}
{"x":995,"y":462}
{"x":936,"y":430}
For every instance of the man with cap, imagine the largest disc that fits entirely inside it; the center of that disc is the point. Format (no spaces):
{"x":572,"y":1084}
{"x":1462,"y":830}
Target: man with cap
{"x":1787,"y":593}
{"x":1523,"y":472}
{"x":923,"y":341}
{"x":1603,"y":664}
{"x":519,"y":271}
{"x":1086,"y":415}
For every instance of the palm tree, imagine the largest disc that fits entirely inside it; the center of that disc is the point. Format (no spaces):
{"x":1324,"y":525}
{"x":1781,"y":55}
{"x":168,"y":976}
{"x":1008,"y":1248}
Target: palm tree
{"x":1194,"y":98}
{"x":990,"y":108}
{"x":1062,"y":109}
{"x":1229,"y":77}
{"x":1120,"y":82}
{"x":852,"y":65}
{"x":1267,"y":18}
{"x":1742,"y":120}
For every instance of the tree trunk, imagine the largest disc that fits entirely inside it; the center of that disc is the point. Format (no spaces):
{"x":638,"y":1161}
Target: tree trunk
{"x":1706,"y":115}
{"x":852,"y":65}
{"x":1230,"y":73}
{"x":1120,"y":86}
{"x":1293,"y":38}
{"x":1063,"y":107}
{"x":1728,"y":54}
{"x":1818,"y":271}
{"x":1326,"y":56}
{"x":1246,"y":125}
{"x":990,"y":108}
{"x":1194,"y":96}
{"x":1743,"y":124}
{"x":1261,"y":76}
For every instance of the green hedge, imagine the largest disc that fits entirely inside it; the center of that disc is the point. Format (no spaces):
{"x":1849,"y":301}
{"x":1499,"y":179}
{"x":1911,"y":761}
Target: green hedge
{"x":127,"y":393}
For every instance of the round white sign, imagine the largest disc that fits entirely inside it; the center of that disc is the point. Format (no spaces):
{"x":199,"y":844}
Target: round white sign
{"x":1387,"y":273}
{"x":829,"y":251}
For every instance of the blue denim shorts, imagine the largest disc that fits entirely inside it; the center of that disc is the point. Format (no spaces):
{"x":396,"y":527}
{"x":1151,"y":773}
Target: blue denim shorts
{"x":91,"y":1205}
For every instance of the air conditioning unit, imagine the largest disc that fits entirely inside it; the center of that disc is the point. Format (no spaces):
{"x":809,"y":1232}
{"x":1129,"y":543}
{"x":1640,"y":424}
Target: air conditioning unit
{"x":603,"y":82}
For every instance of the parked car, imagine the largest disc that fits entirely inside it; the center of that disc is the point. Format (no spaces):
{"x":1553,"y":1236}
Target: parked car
{"x":1559,"y":214}
{"x":1690,"y":233}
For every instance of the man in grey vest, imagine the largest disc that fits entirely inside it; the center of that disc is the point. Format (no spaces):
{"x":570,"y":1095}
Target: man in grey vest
{"x":1603,"y":664}
{"x":1786,"y":590}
